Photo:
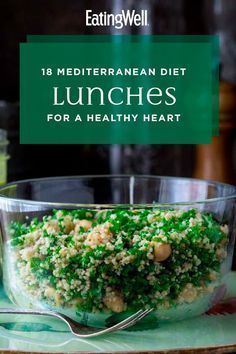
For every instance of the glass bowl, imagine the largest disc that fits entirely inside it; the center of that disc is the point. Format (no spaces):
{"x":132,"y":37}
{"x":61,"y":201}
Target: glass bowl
{"x":99,"y":247}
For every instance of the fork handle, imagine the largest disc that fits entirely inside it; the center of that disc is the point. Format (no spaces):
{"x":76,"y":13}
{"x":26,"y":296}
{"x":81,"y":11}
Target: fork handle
{"x":28,"y":312}
{"x":69,"y":322}
{"x":58,"y":315}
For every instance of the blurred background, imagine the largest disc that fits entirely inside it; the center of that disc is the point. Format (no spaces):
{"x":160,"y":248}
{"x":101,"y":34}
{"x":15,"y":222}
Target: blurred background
{"x":216,"y":161}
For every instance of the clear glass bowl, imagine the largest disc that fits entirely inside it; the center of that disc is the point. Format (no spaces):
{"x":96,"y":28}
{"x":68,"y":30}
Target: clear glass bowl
{"x":99,"y":247}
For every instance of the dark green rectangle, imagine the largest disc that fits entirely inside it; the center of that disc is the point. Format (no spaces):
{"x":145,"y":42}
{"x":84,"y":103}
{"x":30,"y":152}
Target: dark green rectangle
{"x":196,"y":92}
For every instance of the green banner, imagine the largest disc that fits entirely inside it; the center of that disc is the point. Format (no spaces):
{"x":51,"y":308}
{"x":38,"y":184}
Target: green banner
{"x":119,"y":89}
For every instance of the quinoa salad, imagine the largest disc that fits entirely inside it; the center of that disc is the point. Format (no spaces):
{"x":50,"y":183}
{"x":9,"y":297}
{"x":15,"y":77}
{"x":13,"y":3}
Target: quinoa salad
{"x":118,"y":260}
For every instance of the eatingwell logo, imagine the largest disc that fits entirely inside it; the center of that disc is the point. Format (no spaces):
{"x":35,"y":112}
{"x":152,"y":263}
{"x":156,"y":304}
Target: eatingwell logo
{"x":123,"y":19}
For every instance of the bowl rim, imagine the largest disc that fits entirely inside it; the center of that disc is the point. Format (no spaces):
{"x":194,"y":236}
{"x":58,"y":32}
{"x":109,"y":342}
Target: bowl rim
{"x":114,"y":205}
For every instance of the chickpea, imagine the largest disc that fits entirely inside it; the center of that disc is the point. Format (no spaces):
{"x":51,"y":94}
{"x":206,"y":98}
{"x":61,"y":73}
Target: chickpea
{"x":63,"y":252}
{"x":221,"y":252}
{"x":100,"y":234}
{"x":51,"y":227}
{"x":224,"y":242}
{"x":75,"y":302}
{"x":68,"y":224}
{"x":50,"y":292}
{"x":114,"y":301}
{"x":161,"y":251}
{"x":32,"y":237}
{"x":58,"y":299}
{"x":188,"y":294}
{"x":27,"y":253}
{"x":86,"y":224}
{"x":213,"y":276}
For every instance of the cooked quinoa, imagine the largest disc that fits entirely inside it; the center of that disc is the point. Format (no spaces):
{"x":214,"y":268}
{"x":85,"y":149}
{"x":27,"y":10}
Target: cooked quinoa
{"x":118,"y":259}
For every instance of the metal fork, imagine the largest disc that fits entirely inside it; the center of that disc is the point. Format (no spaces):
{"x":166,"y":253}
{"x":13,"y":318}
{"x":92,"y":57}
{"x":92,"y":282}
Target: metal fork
{"x":78,"y":329}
